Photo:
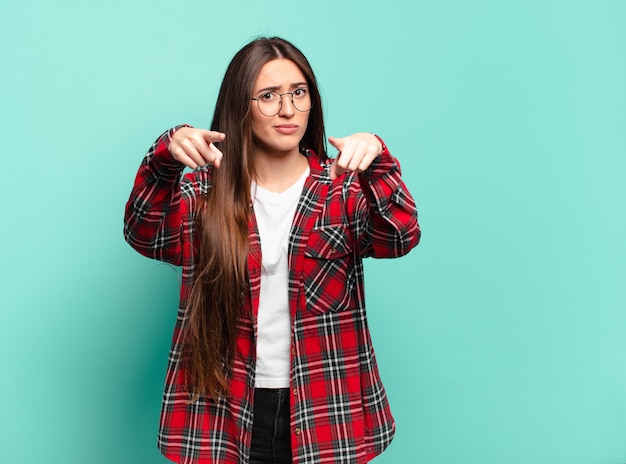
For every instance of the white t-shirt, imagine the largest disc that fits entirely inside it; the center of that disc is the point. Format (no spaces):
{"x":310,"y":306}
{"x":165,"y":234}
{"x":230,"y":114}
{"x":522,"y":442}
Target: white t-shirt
{"x":274,"y":215}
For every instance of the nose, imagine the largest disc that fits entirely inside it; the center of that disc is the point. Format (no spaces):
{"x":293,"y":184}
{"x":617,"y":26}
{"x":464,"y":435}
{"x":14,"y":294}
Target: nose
{"x":286,"y":105}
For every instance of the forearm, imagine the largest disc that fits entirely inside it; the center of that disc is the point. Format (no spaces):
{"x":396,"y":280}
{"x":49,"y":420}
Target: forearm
{"x":388,"y":213}
{"x":152,"y":220}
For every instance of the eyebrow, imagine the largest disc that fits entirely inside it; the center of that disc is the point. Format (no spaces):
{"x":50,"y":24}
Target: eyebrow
{"x":276,"y":87}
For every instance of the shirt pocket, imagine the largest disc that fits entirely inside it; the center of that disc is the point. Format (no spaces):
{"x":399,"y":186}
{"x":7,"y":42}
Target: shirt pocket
{"x":328,"y":271}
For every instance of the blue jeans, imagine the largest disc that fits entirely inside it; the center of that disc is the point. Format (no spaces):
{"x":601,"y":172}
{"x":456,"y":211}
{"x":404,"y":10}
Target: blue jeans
{"x":271,"y":437}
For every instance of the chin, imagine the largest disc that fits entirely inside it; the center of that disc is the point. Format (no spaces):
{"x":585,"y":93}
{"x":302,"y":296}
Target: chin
{"x":286,"y":147}
{"x":287,"y":150}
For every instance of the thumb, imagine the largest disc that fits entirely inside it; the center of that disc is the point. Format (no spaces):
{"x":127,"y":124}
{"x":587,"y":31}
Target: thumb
{"x":335,"y":170}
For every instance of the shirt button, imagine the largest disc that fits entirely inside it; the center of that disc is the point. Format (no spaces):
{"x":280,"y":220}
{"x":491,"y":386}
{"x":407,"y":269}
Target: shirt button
{"x":333,"y":250}
{"x":295,"y":392}
{"x":298,"y":431}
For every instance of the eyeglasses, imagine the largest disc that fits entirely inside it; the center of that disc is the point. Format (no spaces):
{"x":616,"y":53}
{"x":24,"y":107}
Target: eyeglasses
{"x":270,"y":103}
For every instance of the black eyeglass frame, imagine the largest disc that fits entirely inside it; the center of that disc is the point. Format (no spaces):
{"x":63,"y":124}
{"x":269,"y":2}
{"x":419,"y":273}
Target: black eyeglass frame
{"x":280,"y":104}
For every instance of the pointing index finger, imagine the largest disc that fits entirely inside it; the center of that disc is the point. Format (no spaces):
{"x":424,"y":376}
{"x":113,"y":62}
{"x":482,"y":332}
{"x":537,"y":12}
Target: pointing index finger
{"x":336,"y":142}
{"x":213,"y":136}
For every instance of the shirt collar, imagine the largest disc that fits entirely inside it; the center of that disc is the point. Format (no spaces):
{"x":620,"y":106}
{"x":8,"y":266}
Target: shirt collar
{"x":319,"y":171}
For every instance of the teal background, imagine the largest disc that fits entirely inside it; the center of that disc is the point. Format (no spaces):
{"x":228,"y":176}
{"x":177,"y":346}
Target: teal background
{"x":501,"y":338}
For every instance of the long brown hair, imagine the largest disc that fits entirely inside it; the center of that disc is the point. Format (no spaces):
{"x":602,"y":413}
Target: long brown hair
{"x":221,"y":226}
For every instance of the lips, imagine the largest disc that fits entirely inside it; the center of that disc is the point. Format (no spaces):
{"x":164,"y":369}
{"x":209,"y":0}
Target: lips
{"x":286,"y":128}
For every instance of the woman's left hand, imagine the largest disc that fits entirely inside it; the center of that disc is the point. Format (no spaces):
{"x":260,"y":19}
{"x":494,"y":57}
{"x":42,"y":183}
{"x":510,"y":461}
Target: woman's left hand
{"x":356,"y":153}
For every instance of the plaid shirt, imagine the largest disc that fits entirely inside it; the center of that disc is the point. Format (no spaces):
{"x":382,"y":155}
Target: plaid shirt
{"x":339,"y":409}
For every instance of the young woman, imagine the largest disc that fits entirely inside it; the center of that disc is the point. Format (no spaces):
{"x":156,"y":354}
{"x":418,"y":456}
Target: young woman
{"x":271,"y":358}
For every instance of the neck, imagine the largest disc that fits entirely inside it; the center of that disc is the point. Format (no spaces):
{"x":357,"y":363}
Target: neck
{"x":278,"y":173}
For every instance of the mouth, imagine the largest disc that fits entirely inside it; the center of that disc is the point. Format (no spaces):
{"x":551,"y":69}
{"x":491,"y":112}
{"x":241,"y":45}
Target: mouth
{"x":286,"y":128}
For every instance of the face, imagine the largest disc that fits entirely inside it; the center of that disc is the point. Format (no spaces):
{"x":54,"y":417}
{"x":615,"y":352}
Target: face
{"x":280,"y":134}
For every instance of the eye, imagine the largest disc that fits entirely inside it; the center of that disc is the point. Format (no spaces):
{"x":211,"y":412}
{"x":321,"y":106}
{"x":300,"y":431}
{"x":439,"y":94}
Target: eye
{"x":300,"y":92}
{"x":268,"y":97}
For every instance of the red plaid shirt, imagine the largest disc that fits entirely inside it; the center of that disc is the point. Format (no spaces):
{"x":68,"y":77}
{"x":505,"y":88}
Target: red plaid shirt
{"x":339,"y":409}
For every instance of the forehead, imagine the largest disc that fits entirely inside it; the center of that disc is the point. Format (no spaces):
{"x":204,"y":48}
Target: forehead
{"x":279,"y":73}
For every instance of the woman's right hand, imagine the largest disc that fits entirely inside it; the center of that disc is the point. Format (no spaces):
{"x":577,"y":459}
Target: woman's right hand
{"x":195,"y":147}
